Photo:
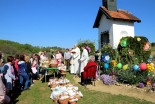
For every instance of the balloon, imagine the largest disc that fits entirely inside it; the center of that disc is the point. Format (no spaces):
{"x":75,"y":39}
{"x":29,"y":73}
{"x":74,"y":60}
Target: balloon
{"x":119,"y":65}
{"x":143,"y":66}
{"x":113,"y":72}
{"x":152,"y":64}
{"x":136,"y":67}
{"x":125,"y":67}
{"x":106,"y":66}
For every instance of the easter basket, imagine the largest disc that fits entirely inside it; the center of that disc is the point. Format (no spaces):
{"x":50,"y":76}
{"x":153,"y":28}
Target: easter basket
{"x":72,"y":102}
{"x":53,"y":85}
{"x":54,"y":65}
{"x":63,"y":72}
{"x":46,"y":65}
{"x":55,"y":100}
{"x":64,"y":101}
{"x":77,"y":96}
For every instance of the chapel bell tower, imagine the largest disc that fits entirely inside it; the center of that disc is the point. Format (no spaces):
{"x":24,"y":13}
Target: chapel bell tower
{"x":111,"y":5}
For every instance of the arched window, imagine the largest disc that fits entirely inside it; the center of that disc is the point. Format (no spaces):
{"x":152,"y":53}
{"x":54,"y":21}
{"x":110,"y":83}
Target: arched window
{"x":124,"y":34}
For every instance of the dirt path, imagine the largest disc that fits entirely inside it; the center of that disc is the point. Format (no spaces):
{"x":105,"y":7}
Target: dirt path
{"x":131,"y":91}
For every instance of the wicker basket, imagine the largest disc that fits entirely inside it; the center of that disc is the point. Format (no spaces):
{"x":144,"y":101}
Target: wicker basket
{"x":53,"y":85}
{"x":63,"y":72}
{"x":63,"y":101}
{"x":72,"y":102}
{"x":54,"y":65}
{"x":77,"y":96}
{"x":46,"y":64}
{"x":55,"y":100}
{"x":63,"y":84}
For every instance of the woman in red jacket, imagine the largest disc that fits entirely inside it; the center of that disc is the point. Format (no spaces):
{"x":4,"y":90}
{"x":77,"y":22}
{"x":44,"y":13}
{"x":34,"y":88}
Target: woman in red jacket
{"x":89,"y":70}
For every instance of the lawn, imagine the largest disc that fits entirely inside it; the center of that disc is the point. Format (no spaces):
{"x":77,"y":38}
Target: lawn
{"x":40,"y":93}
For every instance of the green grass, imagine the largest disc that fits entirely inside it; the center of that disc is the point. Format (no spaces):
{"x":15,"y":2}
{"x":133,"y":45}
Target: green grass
{"x":40,"y":93}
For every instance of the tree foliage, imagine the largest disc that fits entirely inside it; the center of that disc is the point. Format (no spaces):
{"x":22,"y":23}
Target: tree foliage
{"x":88,"y":43}
{"x":12,"y":48}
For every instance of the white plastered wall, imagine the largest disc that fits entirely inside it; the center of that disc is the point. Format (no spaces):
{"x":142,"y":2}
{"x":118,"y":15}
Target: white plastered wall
{"x":121,"y":29}
{"x":105,"y":25}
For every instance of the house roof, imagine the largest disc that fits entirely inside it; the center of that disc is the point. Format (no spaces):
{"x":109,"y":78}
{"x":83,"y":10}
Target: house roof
{"x":119,"y":15}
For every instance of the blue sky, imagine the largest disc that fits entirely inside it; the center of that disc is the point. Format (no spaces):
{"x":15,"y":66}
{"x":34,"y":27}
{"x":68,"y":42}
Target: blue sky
{"x":64,"y":22}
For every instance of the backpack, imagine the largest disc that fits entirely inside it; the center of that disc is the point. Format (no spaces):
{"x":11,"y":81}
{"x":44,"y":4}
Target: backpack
{"x":2,"y":69}
{"x":6,"y":67}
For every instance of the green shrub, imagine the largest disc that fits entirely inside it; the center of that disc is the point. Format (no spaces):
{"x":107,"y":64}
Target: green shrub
{"x":136,"y":47}
{"x":130,"y":76}
{"x":107,"y":49}
{"x":132,"y":54}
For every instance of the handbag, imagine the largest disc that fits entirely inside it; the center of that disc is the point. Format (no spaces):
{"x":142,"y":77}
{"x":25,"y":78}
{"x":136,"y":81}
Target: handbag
{"x":34,"y":70}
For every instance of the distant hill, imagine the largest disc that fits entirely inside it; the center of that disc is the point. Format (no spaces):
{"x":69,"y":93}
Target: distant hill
{"x":12,"y":48}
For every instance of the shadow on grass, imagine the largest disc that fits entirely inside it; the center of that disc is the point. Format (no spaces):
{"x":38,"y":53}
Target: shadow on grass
{"x":15,"y":96}
{"x":50,"y":76}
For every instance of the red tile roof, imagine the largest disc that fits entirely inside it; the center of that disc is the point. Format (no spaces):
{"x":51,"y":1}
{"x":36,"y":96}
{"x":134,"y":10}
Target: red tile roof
{"x":120,"y":15}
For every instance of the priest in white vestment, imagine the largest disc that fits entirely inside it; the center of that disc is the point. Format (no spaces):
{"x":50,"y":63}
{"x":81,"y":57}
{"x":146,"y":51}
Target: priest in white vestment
{"x":72,"y":62}
{"x":76,"y":59}
{"x":84,"y":58}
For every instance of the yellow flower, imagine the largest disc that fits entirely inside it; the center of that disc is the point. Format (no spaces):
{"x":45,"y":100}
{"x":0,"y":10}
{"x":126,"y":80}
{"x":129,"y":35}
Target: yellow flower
{"x":150,"y":67}
{"x":113,"y":63}
{"x":138,"y":39}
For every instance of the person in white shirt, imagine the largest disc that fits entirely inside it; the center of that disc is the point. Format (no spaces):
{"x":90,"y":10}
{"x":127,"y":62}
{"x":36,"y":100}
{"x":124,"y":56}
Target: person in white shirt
{"x":67,"y":57}
{"x":84,"y":58}
{"x":72,"y":61}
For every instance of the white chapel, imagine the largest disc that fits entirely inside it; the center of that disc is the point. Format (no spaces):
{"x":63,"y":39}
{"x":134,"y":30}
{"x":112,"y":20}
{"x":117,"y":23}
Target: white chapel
{"x":113,"y":24}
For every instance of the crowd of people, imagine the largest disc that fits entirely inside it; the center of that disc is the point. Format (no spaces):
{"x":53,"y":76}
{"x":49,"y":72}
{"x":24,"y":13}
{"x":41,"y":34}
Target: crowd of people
{"x":16,"y":74}
{"x":20,"y":72}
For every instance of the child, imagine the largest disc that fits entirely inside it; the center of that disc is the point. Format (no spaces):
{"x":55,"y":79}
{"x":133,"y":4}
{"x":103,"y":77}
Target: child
{"x":34,"y":69}
{"x":62,"y":67}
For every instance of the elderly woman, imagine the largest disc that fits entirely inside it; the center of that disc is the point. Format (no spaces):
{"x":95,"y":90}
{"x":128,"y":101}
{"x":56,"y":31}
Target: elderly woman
{"x":89,"y":70}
